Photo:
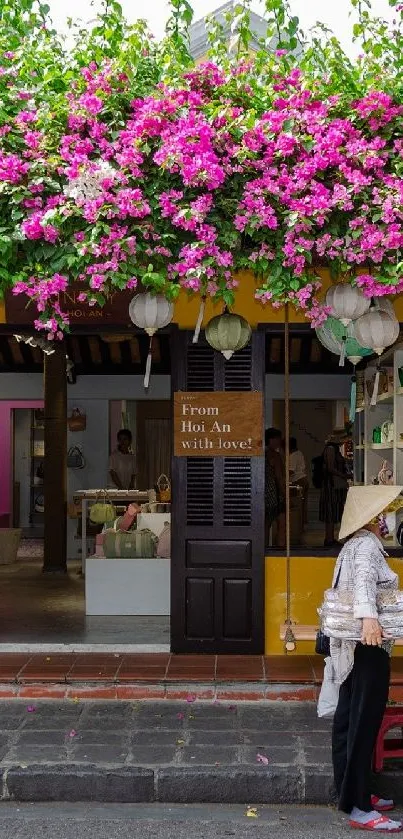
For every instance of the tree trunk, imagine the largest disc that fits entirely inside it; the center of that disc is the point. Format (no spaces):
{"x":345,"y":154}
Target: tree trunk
{"x":55,"y":464}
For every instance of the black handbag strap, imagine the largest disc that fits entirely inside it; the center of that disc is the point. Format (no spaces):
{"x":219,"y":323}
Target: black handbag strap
{"x":338,"y":576}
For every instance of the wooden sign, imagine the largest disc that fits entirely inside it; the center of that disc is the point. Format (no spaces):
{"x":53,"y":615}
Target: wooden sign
{"x":218,"y":424}
{"x":21,"y":312}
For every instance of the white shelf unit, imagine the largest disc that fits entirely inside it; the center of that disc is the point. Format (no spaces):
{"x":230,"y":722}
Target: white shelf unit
{"x":368,"y":455}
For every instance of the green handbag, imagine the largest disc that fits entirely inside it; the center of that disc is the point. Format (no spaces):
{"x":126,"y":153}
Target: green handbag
{"x":102,"y":512}
{"x":132,"y":544}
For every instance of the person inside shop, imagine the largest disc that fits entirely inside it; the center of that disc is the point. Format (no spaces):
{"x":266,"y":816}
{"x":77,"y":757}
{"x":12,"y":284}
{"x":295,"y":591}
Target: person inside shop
{"x":334,"y":486}
{"x":298,"y":476}
{"x":275,"y":488}
{"x":122,"y":462}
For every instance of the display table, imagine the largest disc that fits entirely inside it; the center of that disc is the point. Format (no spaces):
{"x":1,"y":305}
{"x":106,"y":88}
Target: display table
{"x":127,"y":586}
{"x":120,"y":497}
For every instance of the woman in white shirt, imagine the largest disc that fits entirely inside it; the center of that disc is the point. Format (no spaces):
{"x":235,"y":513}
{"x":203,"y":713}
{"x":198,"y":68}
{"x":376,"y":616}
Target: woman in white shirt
{"x":363,"y":669}
{"x":122,"y":462}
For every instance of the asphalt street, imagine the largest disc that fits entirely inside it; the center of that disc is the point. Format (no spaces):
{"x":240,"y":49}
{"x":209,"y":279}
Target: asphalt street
{"x":153,"y":821}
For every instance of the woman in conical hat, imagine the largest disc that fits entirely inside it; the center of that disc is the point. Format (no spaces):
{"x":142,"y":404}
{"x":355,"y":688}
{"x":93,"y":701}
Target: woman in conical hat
{"x":363,"y":669}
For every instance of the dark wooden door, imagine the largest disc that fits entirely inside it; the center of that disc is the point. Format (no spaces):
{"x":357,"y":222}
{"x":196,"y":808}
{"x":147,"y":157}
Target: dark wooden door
{"x":217,"y":579}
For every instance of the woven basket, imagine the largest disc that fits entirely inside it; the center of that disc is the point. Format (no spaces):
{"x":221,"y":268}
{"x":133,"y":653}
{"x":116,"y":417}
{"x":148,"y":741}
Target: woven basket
{"x":9,"y":543}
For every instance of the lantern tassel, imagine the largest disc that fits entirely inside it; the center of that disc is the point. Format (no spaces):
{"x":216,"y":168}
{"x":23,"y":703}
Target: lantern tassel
{"x":353,"y":398}
{"x":374,"y":396}
{"x":148,"y":365}
{"x":199,"y":321}
{"x":342,"y":353}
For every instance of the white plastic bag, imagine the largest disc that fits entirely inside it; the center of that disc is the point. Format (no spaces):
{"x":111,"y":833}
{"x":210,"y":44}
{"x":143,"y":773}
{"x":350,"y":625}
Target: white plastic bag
{"x":329,"y":692}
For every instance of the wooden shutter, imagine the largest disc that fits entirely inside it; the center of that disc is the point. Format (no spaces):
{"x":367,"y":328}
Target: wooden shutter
{"x":218,"y":518}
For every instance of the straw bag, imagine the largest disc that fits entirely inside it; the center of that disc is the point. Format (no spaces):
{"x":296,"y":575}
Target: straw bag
{"x":164,"y":489}
{"x":103,"y":511}
{"x":77,"y":421}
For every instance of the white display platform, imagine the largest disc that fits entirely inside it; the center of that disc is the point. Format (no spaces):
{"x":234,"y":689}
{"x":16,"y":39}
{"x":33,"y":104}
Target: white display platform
{"x":127,"y":586}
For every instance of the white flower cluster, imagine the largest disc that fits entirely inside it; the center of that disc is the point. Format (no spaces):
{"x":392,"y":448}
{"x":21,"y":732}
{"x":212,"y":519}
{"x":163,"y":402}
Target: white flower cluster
{"x":88,"y":185}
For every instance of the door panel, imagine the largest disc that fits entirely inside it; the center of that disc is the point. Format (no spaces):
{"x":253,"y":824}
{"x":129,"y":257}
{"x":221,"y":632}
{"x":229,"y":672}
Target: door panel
{"x":154,"y":441}
{"x":218,"y":518}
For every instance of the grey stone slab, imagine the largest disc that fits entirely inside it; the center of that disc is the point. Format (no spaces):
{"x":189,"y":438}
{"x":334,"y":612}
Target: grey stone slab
{"x":218,"y":738}
{"x":36,"y":754}
{"x":103,"y":755}
{"x":317,"y":757}
{"x":274,"y":755}
{"x":153,"y":737}
{"x":53,"y":717}
{"x":226,"y":723}
{"x":202,"y":755}
{"x":231,"y":785}
{"x":40,"y":738}
{"x":110,"y":719}
{"x":270,"y":739}
{"x":101,"y":738}
{"x":81,"y":783}
{"x":152,"y":755}
{"x":319,"y":786}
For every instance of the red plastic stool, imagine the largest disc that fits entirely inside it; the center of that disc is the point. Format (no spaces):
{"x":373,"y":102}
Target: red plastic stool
{"x":386,"y":746}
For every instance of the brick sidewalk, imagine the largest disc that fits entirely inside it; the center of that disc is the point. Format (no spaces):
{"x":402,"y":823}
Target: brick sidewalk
{"x":165,"y":676}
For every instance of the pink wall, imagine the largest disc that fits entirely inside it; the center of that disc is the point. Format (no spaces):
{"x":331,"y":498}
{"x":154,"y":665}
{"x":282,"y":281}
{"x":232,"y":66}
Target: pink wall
{"x":6,"y":466}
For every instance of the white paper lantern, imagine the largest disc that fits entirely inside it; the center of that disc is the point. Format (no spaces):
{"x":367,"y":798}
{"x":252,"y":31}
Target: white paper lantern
{"x":377,"y":330}
{"x":150,"y":312}
{"x":346,"y":302}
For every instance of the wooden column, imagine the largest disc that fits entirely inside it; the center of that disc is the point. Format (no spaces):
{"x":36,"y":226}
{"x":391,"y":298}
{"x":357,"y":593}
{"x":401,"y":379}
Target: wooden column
{"x":55,"y":471}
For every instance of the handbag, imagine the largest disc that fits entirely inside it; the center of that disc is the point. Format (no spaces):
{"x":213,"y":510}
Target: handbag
{"x":40,"y":504}
{"x":39,"y":448}
{"x":322,"y":643}
{"x":77,"y":421}
{"x":338,"y":621}
{"x":75,"y":458}
{"x":329,"y":692}
{"x":74,"y":509}
{"x":164,"y":542}
{"x":136,"y":544}
{"x":103,"y":511}
{"x":164,"y":489}
{"x":387,"y":432}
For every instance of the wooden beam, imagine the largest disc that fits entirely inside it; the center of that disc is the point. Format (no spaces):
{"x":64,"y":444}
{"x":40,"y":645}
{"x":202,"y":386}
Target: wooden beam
{"x":55,"y":462}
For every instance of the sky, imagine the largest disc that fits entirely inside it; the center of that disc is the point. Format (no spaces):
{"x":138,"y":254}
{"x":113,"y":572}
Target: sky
{"x":334,"y":14}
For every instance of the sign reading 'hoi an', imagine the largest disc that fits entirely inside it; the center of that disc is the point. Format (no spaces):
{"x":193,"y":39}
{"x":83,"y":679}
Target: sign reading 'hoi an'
{"x":218,"y":424}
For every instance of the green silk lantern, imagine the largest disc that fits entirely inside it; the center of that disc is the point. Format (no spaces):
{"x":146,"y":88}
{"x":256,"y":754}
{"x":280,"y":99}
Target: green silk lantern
{"x":228,"y":333}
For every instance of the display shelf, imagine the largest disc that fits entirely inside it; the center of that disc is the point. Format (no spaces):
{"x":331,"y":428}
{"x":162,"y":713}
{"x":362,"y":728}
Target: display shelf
{"x":385,"y":398}
{"x":369,"y":456}
{"x":380,"y":446}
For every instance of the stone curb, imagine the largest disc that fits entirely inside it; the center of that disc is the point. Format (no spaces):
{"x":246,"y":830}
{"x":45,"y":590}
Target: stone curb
{"x":174,"y":785}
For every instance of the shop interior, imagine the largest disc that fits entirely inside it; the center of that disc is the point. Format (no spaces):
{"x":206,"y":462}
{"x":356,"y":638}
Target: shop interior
{"x":113,"y":604}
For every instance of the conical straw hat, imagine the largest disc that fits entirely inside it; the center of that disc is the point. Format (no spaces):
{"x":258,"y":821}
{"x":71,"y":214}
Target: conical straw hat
{"x":364,"y":504}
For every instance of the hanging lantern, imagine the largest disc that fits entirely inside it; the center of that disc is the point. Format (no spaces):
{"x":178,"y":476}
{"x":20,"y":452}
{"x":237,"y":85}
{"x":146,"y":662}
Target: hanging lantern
{"x":385,"y":305}
{"x":377,"y":329}
{"x":346,"y":302}
{"x":341,"y":341}
{"x":150,"y":312}
{"x":228,"y":333}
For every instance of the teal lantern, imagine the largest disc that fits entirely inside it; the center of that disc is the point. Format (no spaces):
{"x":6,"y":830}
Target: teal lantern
{"x":340,"y":340}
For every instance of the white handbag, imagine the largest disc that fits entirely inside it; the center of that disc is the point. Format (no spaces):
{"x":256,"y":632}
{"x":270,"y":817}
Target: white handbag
{"x":329,"y":692}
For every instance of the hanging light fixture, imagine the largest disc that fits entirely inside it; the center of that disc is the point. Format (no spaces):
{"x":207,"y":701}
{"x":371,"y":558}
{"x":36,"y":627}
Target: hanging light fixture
{"x":228,"y":333}
{"x":340,"y":339}
{"x":346,"y":302}
{"x":378,"y":329}
{"x":151,"y":313}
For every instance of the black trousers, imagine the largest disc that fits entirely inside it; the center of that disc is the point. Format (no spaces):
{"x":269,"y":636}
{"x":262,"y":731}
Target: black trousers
{"x":359,"y":713}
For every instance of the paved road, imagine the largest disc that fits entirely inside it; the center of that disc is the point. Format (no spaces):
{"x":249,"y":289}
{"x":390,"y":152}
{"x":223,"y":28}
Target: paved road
{"x":80,"y":821}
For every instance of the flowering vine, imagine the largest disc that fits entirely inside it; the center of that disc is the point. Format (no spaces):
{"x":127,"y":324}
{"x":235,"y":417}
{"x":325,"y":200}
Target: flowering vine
{"x":178,"y":183}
